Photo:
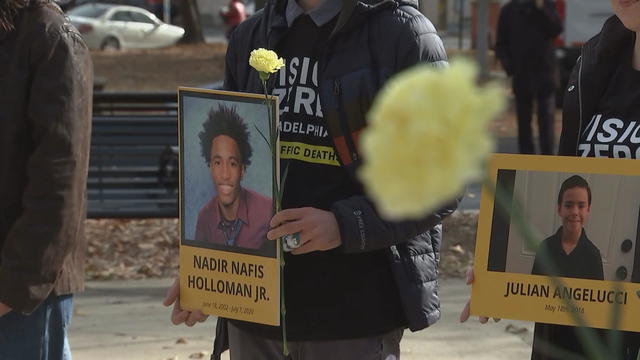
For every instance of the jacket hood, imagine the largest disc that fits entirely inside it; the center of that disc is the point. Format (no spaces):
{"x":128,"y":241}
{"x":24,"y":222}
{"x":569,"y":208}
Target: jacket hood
{"x":364,"y":3}
{"x":374,"y":3}
{"x":612,"y":39}
{"x":352,"y":14}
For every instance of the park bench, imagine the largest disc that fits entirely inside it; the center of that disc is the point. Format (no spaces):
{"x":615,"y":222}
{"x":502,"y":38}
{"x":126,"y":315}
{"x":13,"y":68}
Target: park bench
{"x":133,"y":166}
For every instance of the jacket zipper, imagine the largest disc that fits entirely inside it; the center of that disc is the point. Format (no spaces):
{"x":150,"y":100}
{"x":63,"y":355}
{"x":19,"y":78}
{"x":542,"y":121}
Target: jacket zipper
{"x":337,"y":91}
{"x":579,"y":103}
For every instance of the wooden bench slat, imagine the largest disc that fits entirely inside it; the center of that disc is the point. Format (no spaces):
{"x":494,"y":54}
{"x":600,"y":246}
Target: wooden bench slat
{"x":115,"y":140}
{"x":131,"y":132}
{"x":96,"y":194}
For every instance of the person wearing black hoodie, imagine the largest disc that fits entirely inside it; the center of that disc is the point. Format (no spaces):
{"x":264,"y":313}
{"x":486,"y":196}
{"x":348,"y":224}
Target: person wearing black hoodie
{"x":601,"y":113}
{"x":601,"y":118}
{"x":524,"y":46}
{"x":357,"y":281}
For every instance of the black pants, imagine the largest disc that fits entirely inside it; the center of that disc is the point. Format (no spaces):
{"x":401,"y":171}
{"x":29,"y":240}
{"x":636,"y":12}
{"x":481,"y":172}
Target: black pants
{"x":247,"y":346}
{"x":524,"y":109}
{"x":632,"y":344}
{"x":548,"y":339}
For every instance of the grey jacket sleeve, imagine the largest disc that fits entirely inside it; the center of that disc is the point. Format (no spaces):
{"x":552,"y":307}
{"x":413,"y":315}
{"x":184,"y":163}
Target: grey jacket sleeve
{"x":418,"y":42}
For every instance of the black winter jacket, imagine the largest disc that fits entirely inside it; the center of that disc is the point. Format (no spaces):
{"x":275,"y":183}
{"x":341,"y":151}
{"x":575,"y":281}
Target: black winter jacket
{"x":588,"y":82}
{"x":371,"y":42}
{"x":524,"y":44}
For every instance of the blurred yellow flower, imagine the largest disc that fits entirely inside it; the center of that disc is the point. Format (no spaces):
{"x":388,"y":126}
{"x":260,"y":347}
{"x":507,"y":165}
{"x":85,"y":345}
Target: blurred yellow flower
{"x":265,"y":62}
{"x":427,"y":137}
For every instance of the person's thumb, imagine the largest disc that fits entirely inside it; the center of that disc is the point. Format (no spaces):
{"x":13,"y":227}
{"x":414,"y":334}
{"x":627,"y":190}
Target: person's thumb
{"x":470,"y":275}
{"x":464,"y":315}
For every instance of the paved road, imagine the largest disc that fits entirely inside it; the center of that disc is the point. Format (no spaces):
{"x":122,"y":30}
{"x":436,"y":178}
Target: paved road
{"x":126,"y":320}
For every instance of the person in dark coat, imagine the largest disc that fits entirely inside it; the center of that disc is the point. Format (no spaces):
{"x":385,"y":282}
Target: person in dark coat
{"x":604,"y":89}
{"x":46,"y":82}
{"x":357,"y":281}
{"x":524,"y":46}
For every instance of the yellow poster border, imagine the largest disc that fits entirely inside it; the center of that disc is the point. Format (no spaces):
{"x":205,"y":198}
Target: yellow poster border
{"x":490,"y":287}
{"x":231,"y":285}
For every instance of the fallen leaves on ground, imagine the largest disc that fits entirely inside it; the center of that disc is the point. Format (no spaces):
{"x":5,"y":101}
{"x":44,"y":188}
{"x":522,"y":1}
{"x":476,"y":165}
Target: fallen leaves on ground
{"x":199,"y":355}
{"x":513,"y":329}
{"x":148,"y":248}
{"x":131,"y":249}
{"x":458,"y":243}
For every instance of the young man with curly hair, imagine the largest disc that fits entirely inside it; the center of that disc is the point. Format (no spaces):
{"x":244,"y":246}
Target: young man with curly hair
{"x":235,"y":216}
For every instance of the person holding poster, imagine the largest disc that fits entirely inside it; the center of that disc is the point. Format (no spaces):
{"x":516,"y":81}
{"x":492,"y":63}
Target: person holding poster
{"x":572,"y":255}
{"x":235,"y":216}
{"x":601,"y":118}
{"x":601,"y":114}
{"x":350,"y":288}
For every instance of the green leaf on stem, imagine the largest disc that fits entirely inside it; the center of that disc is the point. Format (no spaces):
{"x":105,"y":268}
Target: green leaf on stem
{"x":263,"y":137}
{"x":282,"y":181}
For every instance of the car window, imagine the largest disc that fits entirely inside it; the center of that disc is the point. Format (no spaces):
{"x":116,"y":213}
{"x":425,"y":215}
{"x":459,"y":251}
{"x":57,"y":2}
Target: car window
{"x":142,"y":18}
{"x":89,"y":10}
{"x":121,"y":16}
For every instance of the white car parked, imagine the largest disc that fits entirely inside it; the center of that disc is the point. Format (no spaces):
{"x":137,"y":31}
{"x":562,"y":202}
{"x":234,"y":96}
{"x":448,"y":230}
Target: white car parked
{"x":114,"y":27}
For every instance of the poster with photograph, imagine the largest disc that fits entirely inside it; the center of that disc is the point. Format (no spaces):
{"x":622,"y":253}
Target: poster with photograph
{"x":583,"y":218}
{"x":228,"y":267}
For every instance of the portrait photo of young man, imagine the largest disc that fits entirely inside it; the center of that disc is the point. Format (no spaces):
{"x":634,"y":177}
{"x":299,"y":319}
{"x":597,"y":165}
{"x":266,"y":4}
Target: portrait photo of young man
{"x":235,"y":216}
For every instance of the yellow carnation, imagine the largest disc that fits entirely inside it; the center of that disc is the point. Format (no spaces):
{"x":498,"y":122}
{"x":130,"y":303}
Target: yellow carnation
{"x":265,"y":61}
{"x":427,"y":137}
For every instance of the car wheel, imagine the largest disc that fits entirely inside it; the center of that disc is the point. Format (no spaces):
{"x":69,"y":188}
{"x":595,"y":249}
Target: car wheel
{"x":110,"y":44}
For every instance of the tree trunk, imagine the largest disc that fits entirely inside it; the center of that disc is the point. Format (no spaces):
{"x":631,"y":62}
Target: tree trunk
{"x":191,"y":21}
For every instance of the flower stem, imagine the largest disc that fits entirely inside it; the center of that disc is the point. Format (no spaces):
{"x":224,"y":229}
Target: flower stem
{"x":273,"y":134}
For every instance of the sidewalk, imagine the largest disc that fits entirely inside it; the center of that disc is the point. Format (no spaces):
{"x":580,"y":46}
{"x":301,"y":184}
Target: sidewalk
{"x":126,"y":320}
